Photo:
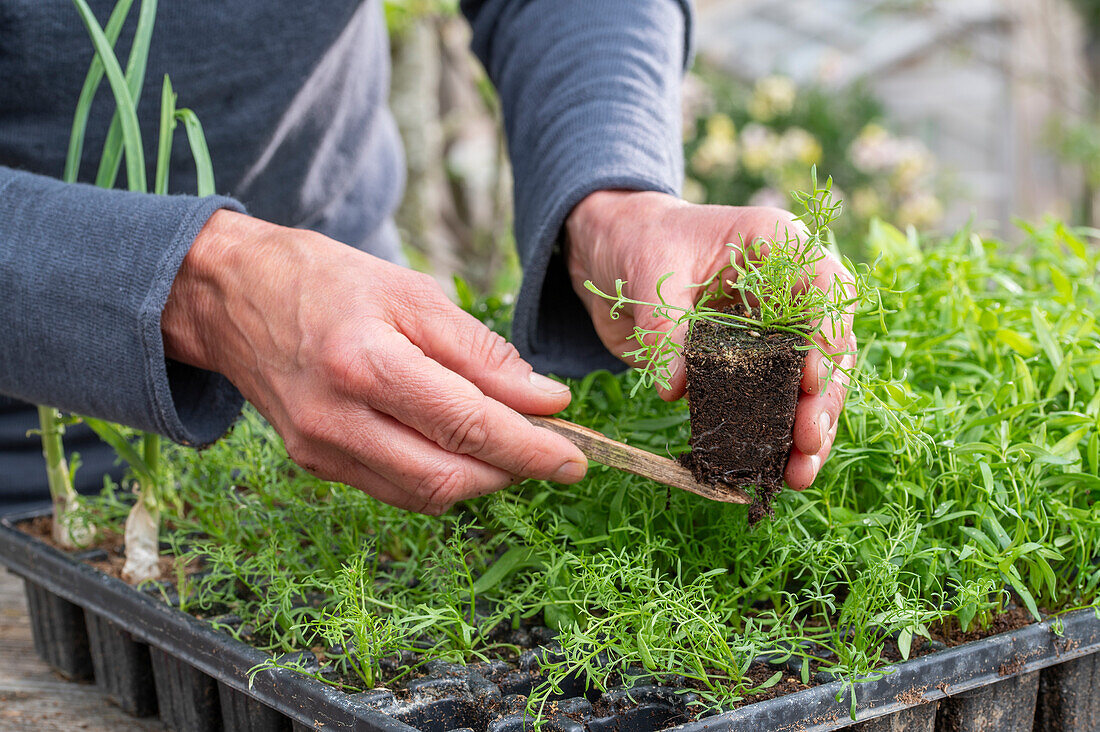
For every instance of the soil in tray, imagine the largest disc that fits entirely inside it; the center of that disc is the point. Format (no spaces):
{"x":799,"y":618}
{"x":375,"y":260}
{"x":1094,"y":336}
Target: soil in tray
{"x":1013,"y":618}
{"x":758,"y":674}
{"x":742,"y":389}
{"x":109,"y":542}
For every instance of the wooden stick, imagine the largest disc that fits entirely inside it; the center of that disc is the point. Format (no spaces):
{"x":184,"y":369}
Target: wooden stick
{"x":619,"y":455}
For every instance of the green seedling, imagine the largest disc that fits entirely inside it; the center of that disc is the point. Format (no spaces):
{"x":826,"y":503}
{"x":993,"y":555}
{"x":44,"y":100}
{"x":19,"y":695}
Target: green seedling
{"x":768,"y":280}
{"x":124,"y":141}
{"x":70,"y":527}
{"x":52,"y":423}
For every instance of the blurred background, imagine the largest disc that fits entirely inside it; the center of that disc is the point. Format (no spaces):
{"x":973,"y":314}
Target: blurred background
{"x":927,"y":113}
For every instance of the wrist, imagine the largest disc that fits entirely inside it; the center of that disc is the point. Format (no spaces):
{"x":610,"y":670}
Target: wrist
{"x":603,"y":224}
{"x":589,"y":219}
{"x":196,"y":306}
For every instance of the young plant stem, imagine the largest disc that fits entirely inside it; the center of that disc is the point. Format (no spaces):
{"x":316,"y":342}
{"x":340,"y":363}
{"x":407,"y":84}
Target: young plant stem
{"x":143,"y":523}
{"x":66,"y":531}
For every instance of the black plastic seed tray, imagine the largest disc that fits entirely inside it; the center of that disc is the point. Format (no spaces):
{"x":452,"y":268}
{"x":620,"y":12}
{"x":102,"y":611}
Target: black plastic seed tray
{"x":149,"y":656}
{"x":189,"y":643}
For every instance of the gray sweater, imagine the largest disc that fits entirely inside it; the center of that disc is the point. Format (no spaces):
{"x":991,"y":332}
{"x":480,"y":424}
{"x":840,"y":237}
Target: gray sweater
{"x":293,"y":99}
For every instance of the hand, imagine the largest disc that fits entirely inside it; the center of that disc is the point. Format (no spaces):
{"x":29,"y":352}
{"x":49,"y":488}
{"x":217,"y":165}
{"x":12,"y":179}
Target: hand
{"x":640,"y":236}
{"x":371,"y":375}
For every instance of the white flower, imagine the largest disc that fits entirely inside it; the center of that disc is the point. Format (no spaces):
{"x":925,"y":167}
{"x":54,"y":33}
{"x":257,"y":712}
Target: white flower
{"x":721,"y":126}
{"x":871,"y":152}
{"x":697,"y":100}
{"x":905,"y":159}
{"x":920,"y":210}
{"x":759,"y":148}
{"x":866,"y":203}
{"x":914,"y":163}
{"x":768,"y":197}
{"x":773,"y":96}
{"x":718,"y":152}
{"x":694,"y":191}
{"x":799,"y":146}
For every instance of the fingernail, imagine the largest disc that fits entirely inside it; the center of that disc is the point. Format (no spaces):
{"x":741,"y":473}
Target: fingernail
{"x":570,"y":472}
{"x":824,"y":368}
{"x":815,"y":463}
{"x":824,"y":422}
{"x":548,"y":385}
{"x":676,"y":369}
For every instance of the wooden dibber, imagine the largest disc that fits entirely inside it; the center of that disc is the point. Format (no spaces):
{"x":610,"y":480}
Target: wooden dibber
{"x":619,"y":455}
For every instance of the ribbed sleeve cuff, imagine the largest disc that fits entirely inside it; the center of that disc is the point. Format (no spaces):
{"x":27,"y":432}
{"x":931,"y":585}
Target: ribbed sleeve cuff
{"x":88,"y":272}
{"x":191,"y":406}
{"x":551,"y":327}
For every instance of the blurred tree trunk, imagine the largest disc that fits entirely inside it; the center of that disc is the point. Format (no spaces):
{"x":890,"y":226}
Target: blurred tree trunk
{"x":1092,"y":66}
{"x":479,"y":176}
{"x":414,"y":99}
{"x":456,"y":214}
{"x":1090,"y":16}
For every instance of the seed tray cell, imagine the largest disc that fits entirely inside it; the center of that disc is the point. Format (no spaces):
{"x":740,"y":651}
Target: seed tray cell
{"x":203,"y":680}
{"x":123,"y":670}
{"x":60,"y":636}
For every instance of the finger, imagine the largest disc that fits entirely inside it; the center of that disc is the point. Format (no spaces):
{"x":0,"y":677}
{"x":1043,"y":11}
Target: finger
{"x":401,"y":381}
{"x":816,"y":372}
{"x":678,"y":293}
{"x":822,"y":362}
{"x":677,"y":372}
{"x":338,"y":467}
{"x":817,"y":414}
{"x":464,"y":345}
{"x":802,"y":469}
{"x":390,"y":461}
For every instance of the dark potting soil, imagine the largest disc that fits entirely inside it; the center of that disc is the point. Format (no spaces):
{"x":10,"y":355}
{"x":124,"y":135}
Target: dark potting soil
{"x":757,"y":675}
{"x":949,"y":633}
{"x":742,"y":389}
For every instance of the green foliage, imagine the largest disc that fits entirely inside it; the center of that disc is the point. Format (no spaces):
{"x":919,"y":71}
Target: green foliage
{"x":493,"y":309}
{"x":998,"y":360}
{"x":127,"y":133}
{"x":1090,"y":14}
{"x":1077,"y":143}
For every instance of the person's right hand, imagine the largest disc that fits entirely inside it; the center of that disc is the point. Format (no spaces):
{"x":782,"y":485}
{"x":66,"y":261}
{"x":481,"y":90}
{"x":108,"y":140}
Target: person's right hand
{"x":370,"y":374}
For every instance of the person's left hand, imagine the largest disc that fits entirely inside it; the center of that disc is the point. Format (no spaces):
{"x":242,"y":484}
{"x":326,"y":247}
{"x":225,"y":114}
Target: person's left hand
{"x":640,"y":236}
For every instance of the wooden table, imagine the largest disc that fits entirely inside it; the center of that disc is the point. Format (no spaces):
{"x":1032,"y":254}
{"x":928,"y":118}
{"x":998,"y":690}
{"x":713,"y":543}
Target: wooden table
{"x":32,"y":697}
